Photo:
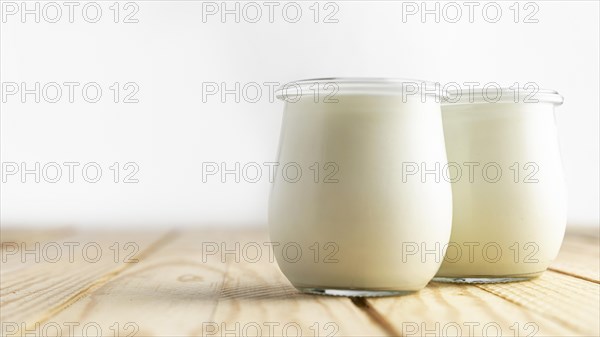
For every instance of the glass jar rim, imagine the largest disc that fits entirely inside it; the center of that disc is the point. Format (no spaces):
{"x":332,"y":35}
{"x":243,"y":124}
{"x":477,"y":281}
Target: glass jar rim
{"x":358,"y":85}
{"x":501,"y":95}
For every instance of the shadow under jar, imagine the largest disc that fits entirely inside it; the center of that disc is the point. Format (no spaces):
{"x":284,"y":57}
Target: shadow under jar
{"x":509,"y":198}
{"x":355,"y":219}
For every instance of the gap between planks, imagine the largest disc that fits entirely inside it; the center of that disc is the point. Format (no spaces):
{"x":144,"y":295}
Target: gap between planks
{"x":584,"y":278}
{"x":379,"y":319}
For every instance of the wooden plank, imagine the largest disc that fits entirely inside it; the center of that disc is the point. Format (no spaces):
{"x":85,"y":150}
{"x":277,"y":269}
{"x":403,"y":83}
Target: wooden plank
{"x":13,"y":241}
{"x":180,"y":290}
{"x":580,"y":254}
{"x":167,"y":294}
{"x":59,"y":273}
{"x":579,"y":257}
{"x":443,"y":309}
{"x":572,"y":302}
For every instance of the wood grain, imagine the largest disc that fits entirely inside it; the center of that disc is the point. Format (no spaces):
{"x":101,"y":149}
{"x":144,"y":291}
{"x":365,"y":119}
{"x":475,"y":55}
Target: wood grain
{"x":572,"y":302}
{"x":168,"y":293}
{"x":181,"y":291}
{"x":55,"y":277}
{"x":176,"y":286}
{"x":13,"y":241}
{"x":464,"y":310}
{"x":579,"y":255}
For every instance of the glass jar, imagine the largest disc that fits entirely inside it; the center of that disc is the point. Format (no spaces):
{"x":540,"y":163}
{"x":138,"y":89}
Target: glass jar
{"x":348,"y":214}
{"x":508,"y":189}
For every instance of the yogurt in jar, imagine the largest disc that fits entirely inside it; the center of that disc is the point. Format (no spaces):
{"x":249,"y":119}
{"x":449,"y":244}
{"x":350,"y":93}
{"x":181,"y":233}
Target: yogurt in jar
{"x":509,"y":204}
{"x":359,"y":226}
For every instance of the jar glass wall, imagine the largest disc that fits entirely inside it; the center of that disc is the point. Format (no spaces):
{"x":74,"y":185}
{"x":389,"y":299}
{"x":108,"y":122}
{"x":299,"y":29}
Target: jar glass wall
{"x":509,"y":197}
{"x":354,"y":222}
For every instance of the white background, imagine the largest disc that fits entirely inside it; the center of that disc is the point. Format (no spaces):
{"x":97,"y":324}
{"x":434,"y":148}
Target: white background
{"x":170,"y":52}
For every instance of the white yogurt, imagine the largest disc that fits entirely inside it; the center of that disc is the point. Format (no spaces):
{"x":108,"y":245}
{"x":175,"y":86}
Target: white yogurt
{"x":367,"y":224}
{"x":508,"y":227}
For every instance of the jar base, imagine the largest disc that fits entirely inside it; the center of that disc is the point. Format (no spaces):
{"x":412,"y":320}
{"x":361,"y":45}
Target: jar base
{"x":354,"y":292}
{"x":486,"y":279}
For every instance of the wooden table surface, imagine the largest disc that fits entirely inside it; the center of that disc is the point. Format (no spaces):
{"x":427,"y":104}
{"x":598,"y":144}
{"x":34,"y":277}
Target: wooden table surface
{"x":165,"y":283}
